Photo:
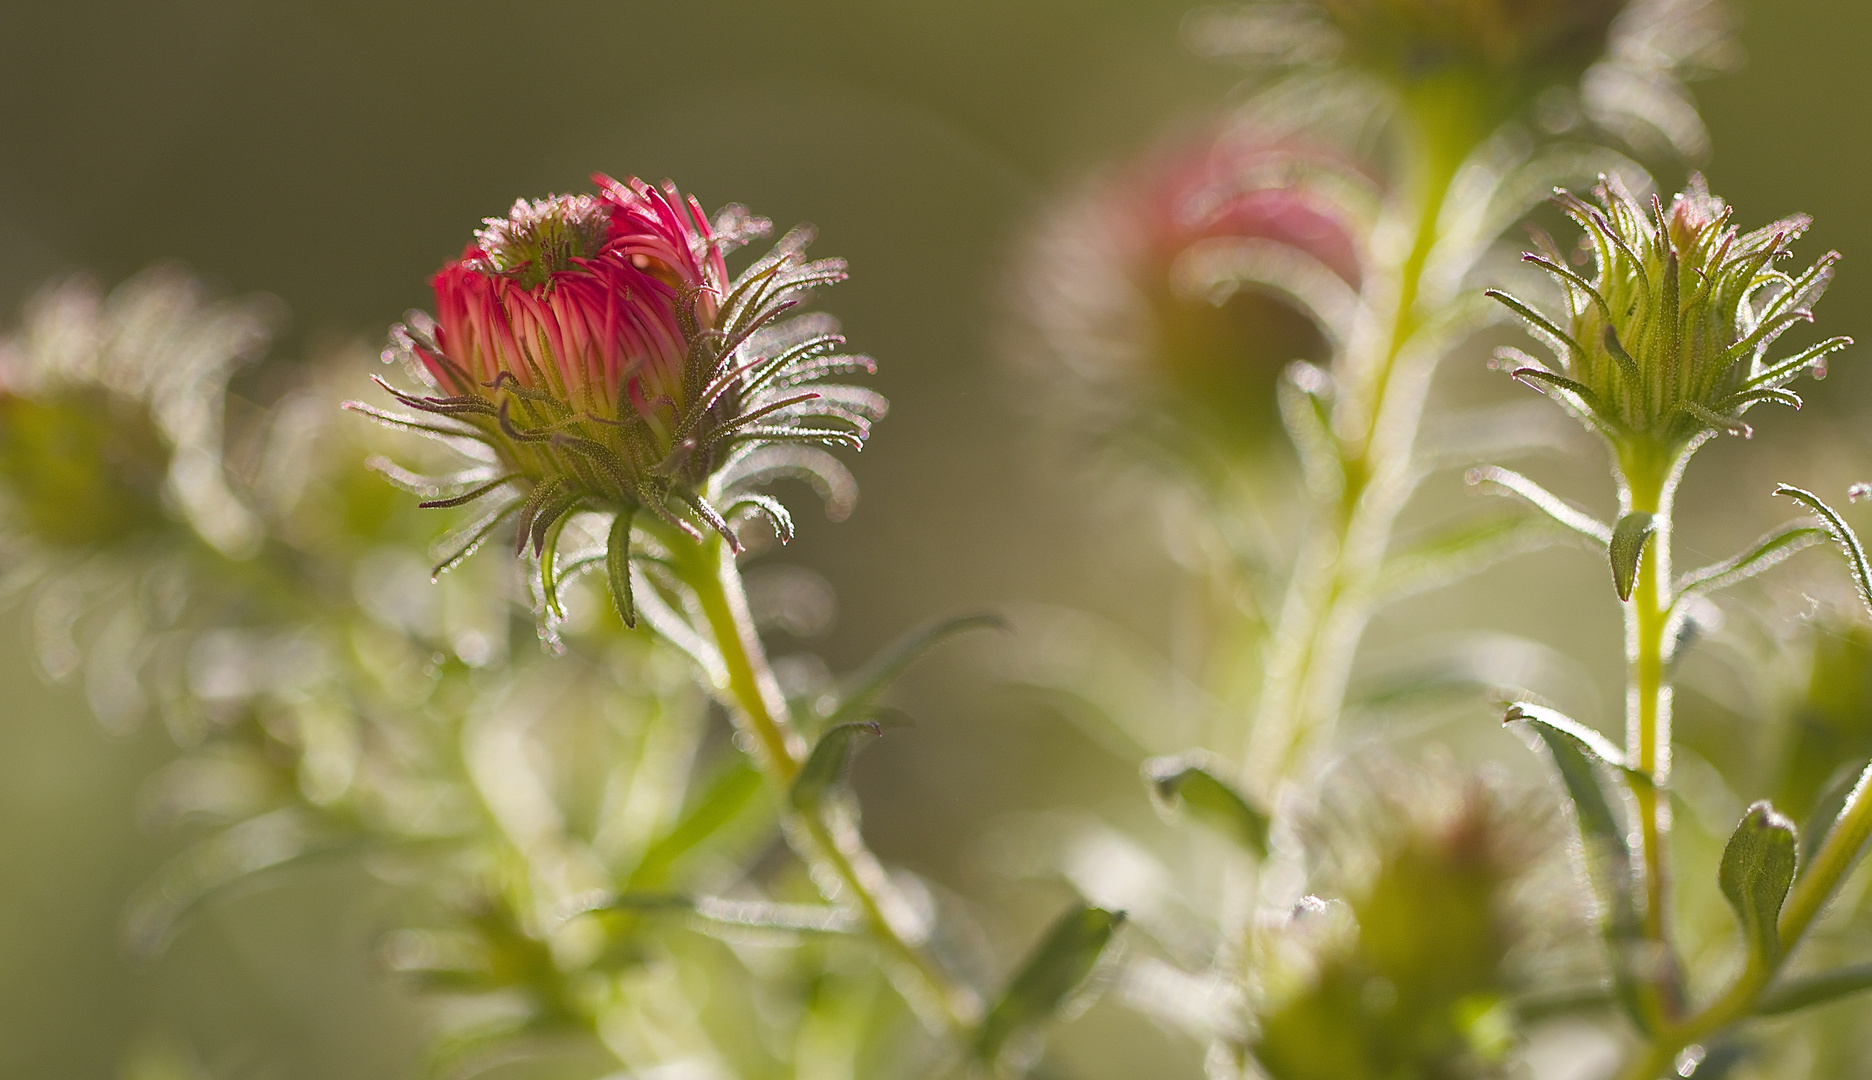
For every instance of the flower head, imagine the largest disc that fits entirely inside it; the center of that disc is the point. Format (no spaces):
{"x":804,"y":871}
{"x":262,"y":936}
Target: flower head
{"x":1468,"y":65}
{"x":597,"y":347}
{"x":1178,"y":289}
{"x":111,"y":413}
{"x":1668,"y":342}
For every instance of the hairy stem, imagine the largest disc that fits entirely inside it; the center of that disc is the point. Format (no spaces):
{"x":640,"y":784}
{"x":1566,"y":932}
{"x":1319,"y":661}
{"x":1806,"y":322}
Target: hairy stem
{"x":1376,"y":416}
{"x":1816,"y":886}
{"x":827,"y":838}
{"x":1649,"y":481}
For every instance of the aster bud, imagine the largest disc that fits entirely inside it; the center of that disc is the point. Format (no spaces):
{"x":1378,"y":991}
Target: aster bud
{"x":1175,"y":292}
{"x":595,"y":345}
{"x":1516,"y":43}
{"x":1668,"y":342}
{"x":111,"y":415}
{"x":1464,"y":66}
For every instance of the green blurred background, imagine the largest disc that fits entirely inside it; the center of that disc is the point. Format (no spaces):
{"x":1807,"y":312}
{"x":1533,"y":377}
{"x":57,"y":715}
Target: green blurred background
{"x":335,"y":154}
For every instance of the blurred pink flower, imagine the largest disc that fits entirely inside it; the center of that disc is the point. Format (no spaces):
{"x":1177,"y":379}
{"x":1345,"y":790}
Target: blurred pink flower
{"x":1177,"y":289}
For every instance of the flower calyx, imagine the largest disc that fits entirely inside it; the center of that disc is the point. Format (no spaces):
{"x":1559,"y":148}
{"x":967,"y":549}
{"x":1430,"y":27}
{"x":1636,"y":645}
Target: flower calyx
{"x":1667,"y":343}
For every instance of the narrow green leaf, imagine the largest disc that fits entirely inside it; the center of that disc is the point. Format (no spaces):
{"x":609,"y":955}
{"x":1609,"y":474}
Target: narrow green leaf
{"x":721,"y":803}
{"x":1828,"y":806}
{"x":617,"y":567}
{"x":1192,"y":781}
{"x":829,"y":761}
{"x":1594,"y":746}
{"x":1462,"y":552}
{"x":1627,"y":548}
{"x":1842,"y":534}
{"x":1049,"y":977}
{"x":1767,"y":552}
{"x":1809,"y":990}
{"x":1756,"y":872}
{"x":1578,"y":753}
{"x":723,"y":913}
{"x":1303,"y":396}
{"x":548,"y":555}
{"x":862,"y":689}
{"x":1541,"y":499}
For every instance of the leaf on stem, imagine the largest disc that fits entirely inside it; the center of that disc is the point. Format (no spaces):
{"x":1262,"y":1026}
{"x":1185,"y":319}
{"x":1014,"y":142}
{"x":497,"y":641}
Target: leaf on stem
{"x":1807,"y":991}
{"x":1192,"y":782}
{"x":857,"y":699}
{"x":1469,"y":550}
{"x":617,"y":567}
{"x":1304,"y":395}
{"x":1543,"y":500}
{"x":721,"y":803}
{"x":1627,"y":548}
{"x":1841,"y":533}
{"x":1756,"y":872}
{"x":829,"y":762}
{"x":1049,"y":979}
{"x":1578,"y":753}
{"x":1769,"y":551}
{"x":1829,"y":805}
{"x":716,"y":913}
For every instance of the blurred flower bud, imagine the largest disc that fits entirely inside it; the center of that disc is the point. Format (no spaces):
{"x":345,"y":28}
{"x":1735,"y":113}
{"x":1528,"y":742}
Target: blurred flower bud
{"x":81,"y":467}
{"x":1174,"y":293}
{"x":1465,"y":66}
{"x":1668,"y":342}
{"x":111,"y":413}
{"x":1516,"y":47}
{"x":1437,"y":871}
{"x":596,"y":346}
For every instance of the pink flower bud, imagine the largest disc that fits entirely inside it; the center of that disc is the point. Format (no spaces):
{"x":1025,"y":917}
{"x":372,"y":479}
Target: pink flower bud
{"x":596,"y":345}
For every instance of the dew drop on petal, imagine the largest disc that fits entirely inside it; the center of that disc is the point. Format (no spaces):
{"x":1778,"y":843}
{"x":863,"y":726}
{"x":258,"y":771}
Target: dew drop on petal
{"x":1861,"y":490}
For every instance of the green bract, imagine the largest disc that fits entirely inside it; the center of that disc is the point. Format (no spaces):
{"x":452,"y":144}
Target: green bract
{"x":1668,"y":342}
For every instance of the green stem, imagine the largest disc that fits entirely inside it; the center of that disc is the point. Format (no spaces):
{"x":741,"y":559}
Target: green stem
{"x":828,"y":839}
{"x":1376,"y":418}
{"x":1649,"y":481}
{"x":1810,"y":894}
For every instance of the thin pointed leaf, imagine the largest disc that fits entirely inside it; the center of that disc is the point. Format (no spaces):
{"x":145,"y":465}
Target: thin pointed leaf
{"x":548,"y":555}
{"x":830,"y":760}
{"x":467,"y":497}
{"x":1756,"y":872}
{"x":460,"y":543}
{"x":1543,"y":500}
{"x":721,"y":913}
{"x":1828,"y":806}
{"x":1578,"y":753}
{"x":1791,"y":366}
{"x":1049,"y":977}
{"x":1810,"y":990}
{"x":722,"y":802}
{"x":1769,"y":551}
{"x":1716,"y":421}
{"x":1571,"y":386}
{"x":1537,"y":320}
{"x":617,"y":567}
{"x":1842,"y":535}
{"x":863,"y":687}
{"x":1627,"y":548}
{"x":1469,"y":550}
{"x":1191,"y":782}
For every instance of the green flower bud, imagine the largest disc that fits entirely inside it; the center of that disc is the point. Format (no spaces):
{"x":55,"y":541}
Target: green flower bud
{"x":82,"y":467}
{"x":111,"y":415}
{"x":1668,"y":342}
